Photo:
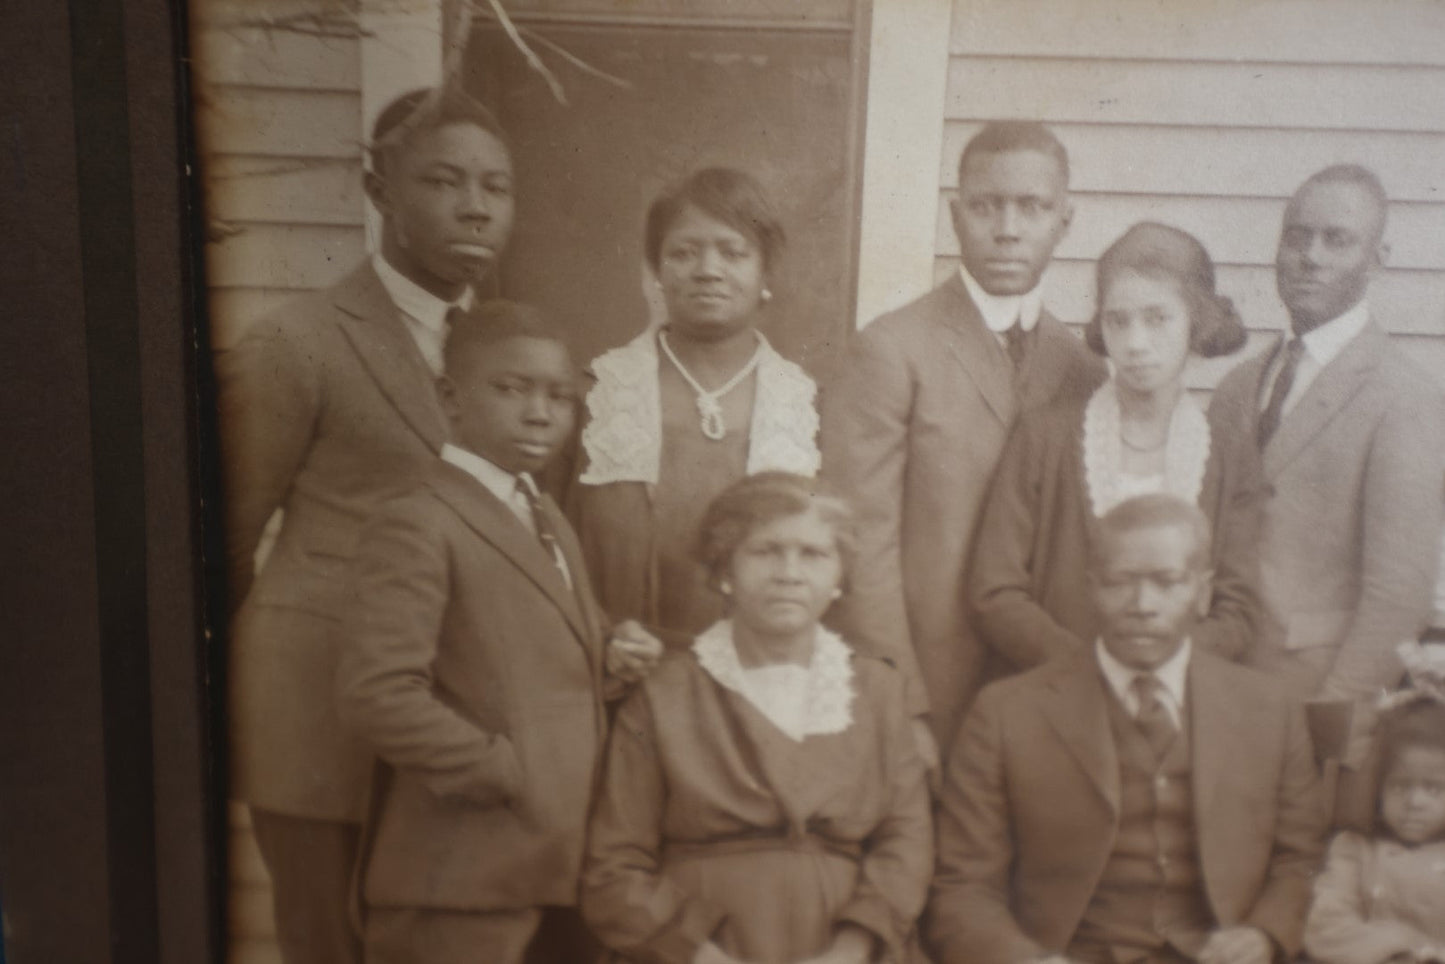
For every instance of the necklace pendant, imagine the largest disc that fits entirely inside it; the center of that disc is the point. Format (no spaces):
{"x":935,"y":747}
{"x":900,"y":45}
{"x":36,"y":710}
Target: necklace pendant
{"x":711,"y":414}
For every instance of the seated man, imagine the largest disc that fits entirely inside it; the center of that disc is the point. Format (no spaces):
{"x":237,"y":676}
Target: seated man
{"x":1139,"y":802}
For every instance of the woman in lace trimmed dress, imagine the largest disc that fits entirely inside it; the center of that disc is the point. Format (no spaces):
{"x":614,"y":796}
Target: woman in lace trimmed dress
{"x":679,"y":413}
{"x":1140,"y":432}
{"x":763,"y":800}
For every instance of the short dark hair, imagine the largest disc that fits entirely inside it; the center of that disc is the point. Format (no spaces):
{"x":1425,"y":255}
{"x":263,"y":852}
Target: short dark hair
{"x":1420,"y":722}
{"x":1160,"y":251}
{"x":1358,"y":175}
{"x":426,"y":109}
{"x":490,"y":323}
{"x":756,"y":500}
{"x":734,"y":197}
{"x":1003,"y":136}
{"x":1153,"y":510}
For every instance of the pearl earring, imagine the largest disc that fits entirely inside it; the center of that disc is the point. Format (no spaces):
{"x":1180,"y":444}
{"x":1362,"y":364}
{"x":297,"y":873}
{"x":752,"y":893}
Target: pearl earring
{"x":766,"y":296}
{"x":726,"y":588}
{"x":837,"y":592}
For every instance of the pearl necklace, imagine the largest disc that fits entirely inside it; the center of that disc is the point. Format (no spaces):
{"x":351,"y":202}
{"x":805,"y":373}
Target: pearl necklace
{"x":709,"y":407}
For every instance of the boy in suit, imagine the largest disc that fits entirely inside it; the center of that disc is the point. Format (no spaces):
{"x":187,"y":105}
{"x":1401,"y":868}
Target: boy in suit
{"x":915,"y":428}
{"x":475,"y":665}
{"x":327,"y":407}
{"x":1139,"y":803}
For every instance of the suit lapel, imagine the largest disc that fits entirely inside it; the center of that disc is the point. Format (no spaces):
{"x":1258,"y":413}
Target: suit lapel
{"x":485,"y":514}
{"x":974,"y":347}
{"x":1223,"y":734}
{"x":1079,"y":716}
{"x":1046,"y":367}
{"x":1326,"y":396}
{"x":370,"y":322}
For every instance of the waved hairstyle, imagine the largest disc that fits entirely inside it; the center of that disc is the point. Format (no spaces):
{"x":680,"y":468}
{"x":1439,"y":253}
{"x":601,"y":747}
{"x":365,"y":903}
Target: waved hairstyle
{"x":757,"y":500}
{"x":733,"y":197}
{"x":1166,"y":253}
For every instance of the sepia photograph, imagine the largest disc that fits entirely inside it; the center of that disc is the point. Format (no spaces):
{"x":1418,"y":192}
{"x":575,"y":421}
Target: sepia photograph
{"x":826,"y":481}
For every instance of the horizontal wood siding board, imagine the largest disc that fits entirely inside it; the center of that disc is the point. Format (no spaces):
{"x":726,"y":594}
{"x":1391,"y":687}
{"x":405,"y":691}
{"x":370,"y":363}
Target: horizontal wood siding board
{"x":1339,"y":31}
{"x":819,"y":12}
{"x":280,"y":123}
{"x":1234,"y":230}
{"x":276,"y":57}
{"x":285,"y":190}
{"x":1406,"y":302}
{"x":1159,"y":159}
{"x":1188,"y":94}
{"x":231,"y":310}
{"x":285,"y":256}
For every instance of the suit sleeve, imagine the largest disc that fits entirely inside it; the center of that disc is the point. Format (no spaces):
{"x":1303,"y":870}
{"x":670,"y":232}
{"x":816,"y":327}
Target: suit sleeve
{"x":269,"y":396}
{"x":865,"y":434}
{"x":385,"y":684}
{"x":1235,"y":618}
{"x":969,"y":919}
{"x":1002,"y":573}
{"x":1400,"y":529}
{"x":1339,"y":929}
{"x":1299,"y":831}
{"x":627,"y":901}
{"x":898,"y":856}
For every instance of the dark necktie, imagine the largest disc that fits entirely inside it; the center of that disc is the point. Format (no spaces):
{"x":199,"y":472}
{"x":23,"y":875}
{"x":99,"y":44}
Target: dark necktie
{"x":1016,"y":342}
{"x":542,"y":526}
{"x":1269,"y":419}
{"x":1152,"y":717}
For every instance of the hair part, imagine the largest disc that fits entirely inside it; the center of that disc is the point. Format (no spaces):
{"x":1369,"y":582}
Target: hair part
{"x":1166,"y":253}
{"x":1156,"y":510}
{"x":1005,"y":136}
{"x":757,"y":500}
{"x":734,"y":197}
{"x":486,"y":325}
{"x":423,"y":110}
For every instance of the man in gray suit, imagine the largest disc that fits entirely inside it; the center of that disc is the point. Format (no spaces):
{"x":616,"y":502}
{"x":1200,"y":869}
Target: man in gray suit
{"x":915,"y":428}
{"x":328,"y":407}
{"x":1353,"y":441}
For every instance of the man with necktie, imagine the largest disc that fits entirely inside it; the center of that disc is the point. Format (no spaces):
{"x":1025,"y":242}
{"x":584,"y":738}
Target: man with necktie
{"x":1352,"y":436}
{"x":1142,"y":802}
{"x":914,"y":429}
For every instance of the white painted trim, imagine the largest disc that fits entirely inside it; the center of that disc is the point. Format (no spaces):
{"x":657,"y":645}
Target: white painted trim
{"x":401,"y":51}
{"x":902,"y":152}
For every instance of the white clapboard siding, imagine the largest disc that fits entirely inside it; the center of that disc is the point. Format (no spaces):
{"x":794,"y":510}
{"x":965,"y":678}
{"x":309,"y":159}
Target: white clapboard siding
{"x":280,"y":133}
{"x":1207,"y":116}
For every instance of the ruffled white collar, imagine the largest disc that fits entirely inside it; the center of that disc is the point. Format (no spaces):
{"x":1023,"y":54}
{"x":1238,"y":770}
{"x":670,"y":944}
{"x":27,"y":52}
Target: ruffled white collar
{"x":819,"y":699}
{"x":1186,"y":451}
{"x":623,"y":437}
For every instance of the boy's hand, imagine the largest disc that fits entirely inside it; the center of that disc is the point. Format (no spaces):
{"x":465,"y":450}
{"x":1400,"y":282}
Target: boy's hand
{"x":632,"y":651}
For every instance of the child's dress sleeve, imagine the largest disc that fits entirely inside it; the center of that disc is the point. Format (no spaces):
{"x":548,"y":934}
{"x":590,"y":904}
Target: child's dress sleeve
{"x":1344,"y":926}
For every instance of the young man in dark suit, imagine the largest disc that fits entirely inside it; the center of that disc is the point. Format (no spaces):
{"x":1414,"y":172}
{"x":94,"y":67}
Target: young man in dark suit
{"x":474,"y":666}
{"x":1142,"y":802}
{"x":1352,"y":436}
{"x":327,"y":407}
{"x":916,"y":426}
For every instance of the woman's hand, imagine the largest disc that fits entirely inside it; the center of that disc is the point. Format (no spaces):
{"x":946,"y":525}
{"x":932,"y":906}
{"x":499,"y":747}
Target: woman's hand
{"x":851,"y":945}
{"x":632,"y":652}
{"x":710,"y":953}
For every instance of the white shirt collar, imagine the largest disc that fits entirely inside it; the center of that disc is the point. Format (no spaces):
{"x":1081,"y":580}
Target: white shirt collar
{"x":1001,"y":311}
{"x":497,"y":480}
{"x":1326,"y":342}
{"x":415,"y":301}
{"x":1171,"y":675}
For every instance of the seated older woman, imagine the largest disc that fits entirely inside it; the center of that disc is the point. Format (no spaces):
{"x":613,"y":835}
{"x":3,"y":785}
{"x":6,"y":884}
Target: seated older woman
{"x":763,"y":800}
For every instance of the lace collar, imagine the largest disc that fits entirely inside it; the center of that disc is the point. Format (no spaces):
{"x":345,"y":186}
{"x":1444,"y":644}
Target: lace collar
{"x":1186,"y":451}
{"x":623,"y":437}
{"x":825,"y":704}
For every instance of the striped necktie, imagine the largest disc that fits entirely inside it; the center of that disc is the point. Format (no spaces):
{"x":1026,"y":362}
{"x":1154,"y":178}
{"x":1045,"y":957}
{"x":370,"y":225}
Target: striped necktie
{"x":542,"y":526}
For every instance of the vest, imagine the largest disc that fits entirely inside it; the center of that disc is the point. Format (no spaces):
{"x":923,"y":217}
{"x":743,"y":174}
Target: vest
{"x":1150,"y":896}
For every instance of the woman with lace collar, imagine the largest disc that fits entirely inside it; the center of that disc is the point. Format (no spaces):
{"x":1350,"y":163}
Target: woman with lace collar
{"x":682,"y":411}
{"x":1140,"y":432}
{"x":763,"y":799}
